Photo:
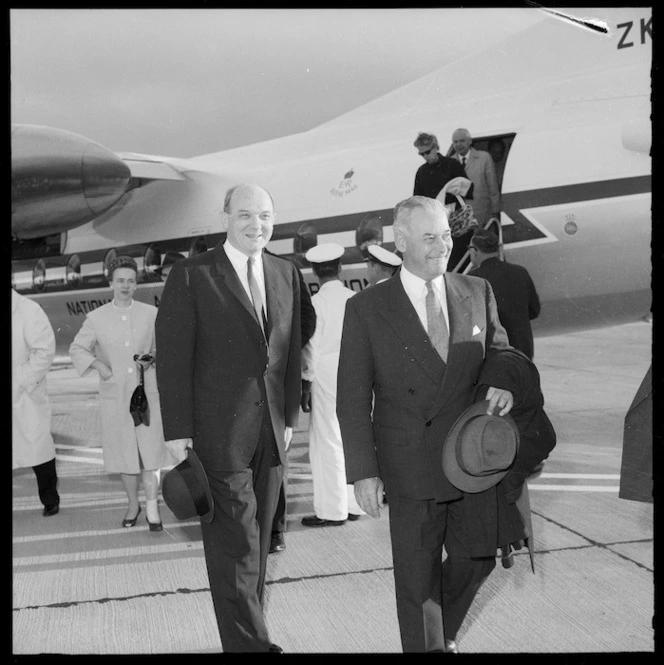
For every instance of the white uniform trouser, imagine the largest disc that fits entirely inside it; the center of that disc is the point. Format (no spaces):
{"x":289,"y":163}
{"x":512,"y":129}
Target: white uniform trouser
{"x":333,"y":497}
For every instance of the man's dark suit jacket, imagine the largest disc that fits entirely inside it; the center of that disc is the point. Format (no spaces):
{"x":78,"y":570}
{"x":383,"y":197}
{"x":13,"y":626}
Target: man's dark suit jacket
{"x":516,"y":298}
{"x":214,"y":370}
{"x":396,"y":399}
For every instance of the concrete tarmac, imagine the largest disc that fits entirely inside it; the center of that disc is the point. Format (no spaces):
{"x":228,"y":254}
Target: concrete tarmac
{"x":84,"y":585}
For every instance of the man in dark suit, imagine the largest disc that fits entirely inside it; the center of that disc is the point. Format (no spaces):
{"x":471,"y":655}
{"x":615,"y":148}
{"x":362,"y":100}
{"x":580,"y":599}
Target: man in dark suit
{"x":228,"y":370}
{"x":516,"y":296}
{"x":411,"y":353}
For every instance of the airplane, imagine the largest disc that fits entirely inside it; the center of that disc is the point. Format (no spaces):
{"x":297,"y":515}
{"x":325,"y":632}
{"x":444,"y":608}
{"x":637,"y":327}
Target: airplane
{"x":572,"y":106}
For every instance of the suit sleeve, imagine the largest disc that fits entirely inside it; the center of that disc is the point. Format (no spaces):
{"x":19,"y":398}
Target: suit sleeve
{"x":307,"y":311}
{"x":355,"y":379}
{"x":492,"y":183}
{"x":534,"y":306}
{"x":292,"y":381}
{"x":175,"y":337}
{"x":496,"y":337}
{"x":40,"y":339}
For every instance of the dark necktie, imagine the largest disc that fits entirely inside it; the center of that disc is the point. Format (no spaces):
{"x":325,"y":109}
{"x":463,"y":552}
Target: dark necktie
{"x":436,"y":326}
{"x":256,"y":297}
{"x":463,"y":162}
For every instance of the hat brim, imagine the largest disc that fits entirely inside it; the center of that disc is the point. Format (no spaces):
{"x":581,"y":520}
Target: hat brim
{"x":453,"y":472}
{"x":195,"y":463}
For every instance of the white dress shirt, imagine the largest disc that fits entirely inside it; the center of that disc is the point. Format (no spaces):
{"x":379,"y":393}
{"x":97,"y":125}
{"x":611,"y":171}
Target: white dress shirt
{"x":416,"y":291}
{"x":238,"y":260}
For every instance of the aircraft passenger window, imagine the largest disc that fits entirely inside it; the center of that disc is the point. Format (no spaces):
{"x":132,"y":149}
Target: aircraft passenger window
{"x":169,"y":259}
{"x":39,"y":276}
{"x":110,"y":255}
{"x":151,"y":263}
{"x":369,"y":232}
{"x":304,"y":239}
{"x":198,"y":246}
{"x":73,"y":272}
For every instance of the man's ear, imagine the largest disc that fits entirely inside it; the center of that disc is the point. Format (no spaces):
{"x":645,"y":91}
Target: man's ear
{"x":224,"y":221}
{"x":400,"y":241}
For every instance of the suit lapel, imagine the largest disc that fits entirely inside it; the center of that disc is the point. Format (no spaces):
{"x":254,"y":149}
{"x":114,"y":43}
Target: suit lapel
{"x":459,"y":310}
{"x":225,"y":276}
{"x":403,"y":318}
{"x":274,"y":285}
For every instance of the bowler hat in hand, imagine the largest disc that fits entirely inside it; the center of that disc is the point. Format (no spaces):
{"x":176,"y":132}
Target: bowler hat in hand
{"x":186,"y":490}
{"x":479,"y":449}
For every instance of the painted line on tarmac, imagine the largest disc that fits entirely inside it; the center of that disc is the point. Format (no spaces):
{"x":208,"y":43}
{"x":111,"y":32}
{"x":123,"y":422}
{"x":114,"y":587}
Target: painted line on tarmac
{"x":87,"y":449}
{"x":586,"y":476}
{"x":74,"y":458}
{"x":573,"y":488}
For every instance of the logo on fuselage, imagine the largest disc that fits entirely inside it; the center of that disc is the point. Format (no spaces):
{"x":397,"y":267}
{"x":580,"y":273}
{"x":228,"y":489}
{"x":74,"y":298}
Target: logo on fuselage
{"x":346,"y":186}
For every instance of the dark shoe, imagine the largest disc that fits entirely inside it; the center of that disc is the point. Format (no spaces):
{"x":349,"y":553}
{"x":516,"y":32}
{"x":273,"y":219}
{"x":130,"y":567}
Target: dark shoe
{"x":275,"y":648}
{"x":312,"y":520}
{"x":352,"y":517}
{"x":277,"y":542}
{"x":451,"y":646}
{"x":131,"y":522}
{"x":154,"y":526}
{"x":51,"y":509}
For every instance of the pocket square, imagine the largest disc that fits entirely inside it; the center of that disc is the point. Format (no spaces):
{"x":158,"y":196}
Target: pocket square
{"x":476,"y":331}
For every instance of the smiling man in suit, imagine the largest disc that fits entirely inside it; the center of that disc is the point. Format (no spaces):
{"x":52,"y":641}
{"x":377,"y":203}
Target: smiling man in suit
{"x":228,"y":369}
{"x":411,"y":353}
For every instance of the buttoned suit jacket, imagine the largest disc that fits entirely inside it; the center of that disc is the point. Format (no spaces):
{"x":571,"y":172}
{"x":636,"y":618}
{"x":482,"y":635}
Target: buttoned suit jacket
{"x":216,"y":373}
{"x":396,"y":399}
{"x":481,"y":171}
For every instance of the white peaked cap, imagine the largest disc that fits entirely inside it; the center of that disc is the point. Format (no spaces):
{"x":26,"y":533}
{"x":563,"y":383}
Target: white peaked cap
{"x":381,"y":255}
{"x":328,"y":251}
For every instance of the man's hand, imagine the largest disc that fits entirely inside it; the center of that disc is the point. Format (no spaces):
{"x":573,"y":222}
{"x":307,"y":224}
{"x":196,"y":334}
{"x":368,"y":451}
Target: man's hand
{"x":178,"y":448}
{"x":369,"y":494}
{"x":305,"y":401}
{"x":500,"y":398}
{"x":288,"y":437}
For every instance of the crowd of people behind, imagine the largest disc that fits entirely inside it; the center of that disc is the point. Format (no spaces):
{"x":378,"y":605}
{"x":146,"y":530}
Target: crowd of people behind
{"x":423,"y":365}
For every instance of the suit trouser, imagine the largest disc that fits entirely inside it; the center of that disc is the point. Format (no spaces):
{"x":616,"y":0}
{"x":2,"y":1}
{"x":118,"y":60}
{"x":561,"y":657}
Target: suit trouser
{"x":47,"y":482}
{"x":280,"y":518}
{"x":237,"y":543}
{"x":432,"y":596}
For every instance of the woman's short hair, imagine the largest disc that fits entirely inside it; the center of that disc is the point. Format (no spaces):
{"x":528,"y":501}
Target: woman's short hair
{"x":121,"y":262}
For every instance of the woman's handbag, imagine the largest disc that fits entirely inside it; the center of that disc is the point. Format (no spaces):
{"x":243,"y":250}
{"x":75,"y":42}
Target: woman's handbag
{"x":462,"y":219}
{"x":138,"y":405}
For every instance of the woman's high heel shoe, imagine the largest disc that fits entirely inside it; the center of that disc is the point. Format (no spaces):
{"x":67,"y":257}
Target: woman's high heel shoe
{"x":131,"y":522}
{"x":154,"y":526}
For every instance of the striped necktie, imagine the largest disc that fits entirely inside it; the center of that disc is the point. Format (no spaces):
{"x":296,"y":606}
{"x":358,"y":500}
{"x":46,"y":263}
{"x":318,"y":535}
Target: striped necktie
{"x":256,"y":298}
{"x":436,"y":326}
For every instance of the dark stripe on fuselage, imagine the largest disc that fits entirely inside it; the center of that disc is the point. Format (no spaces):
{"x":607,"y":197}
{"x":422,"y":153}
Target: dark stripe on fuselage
{"x":513,"y":203}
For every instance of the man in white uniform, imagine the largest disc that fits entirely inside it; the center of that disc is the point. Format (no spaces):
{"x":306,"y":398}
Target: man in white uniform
{"x":381,"y":264}
{"x":334,"y":499}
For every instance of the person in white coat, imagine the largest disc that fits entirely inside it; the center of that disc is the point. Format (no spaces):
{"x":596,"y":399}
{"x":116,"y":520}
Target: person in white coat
{"x":111,"y":336}
{"x":33,"y":349}
{"x":334,"y":499}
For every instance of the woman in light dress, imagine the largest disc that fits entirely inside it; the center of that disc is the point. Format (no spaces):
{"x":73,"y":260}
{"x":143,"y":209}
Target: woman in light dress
{"x":109,"y":339}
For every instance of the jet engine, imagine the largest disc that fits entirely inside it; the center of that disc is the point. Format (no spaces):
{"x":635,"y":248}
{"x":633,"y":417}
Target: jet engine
{"x":60,"y":180}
